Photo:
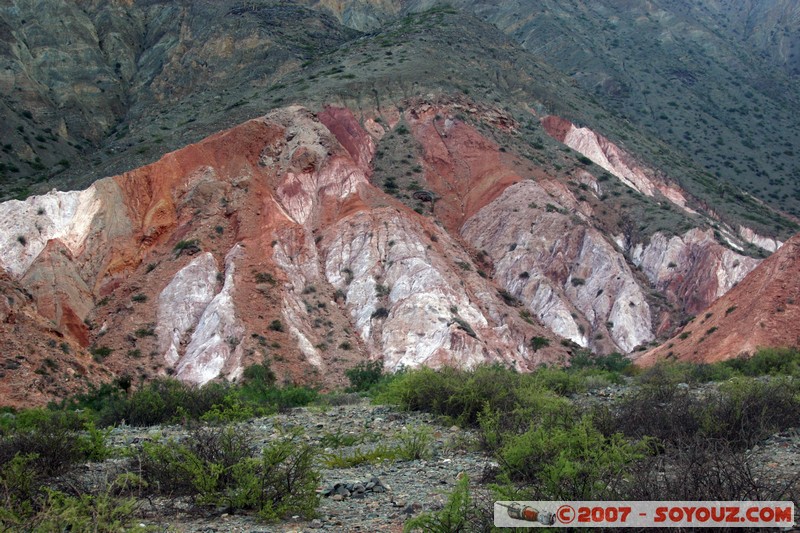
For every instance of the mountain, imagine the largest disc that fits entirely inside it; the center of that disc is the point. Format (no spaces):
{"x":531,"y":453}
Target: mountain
{"x":118,"y":84}
{"x":715,"y":80}
{"x":272,"y":240}
{"x":98,"y":87}
{"x":418,"y":189}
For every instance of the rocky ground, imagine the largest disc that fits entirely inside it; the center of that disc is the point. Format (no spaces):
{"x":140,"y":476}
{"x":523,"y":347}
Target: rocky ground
{"x":381,"y":496}
{"x":393,"y":491}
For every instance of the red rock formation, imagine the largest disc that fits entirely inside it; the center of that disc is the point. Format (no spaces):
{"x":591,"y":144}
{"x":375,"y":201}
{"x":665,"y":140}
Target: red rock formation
{"x":463,"y":168}
{"x":269,"y":241}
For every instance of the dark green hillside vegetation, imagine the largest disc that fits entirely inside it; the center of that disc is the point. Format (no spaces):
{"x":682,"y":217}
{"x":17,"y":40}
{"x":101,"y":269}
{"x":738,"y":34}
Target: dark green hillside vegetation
{"x":150,"y":86}
{"x":680,"y":73}
{"x":714,"y":81}
{"x":450,"y":54}
{"x":296,"y":55}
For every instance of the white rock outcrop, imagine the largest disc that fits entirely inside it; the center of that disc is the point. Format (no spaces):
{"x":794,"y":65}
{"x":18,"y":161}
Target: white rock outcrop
{"x":575,"y":281}
{"x":607,"y":155}
{"x":381,"y":262}
{"x":215,"y":345}
{"x":767,"y":243}
{"x":182,"y":303}
{"x":26,"y":226}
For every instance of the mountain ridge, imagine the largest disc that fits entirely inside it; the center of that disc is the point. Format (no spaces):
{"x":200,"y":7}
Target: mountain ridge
{"x":424,"y":193}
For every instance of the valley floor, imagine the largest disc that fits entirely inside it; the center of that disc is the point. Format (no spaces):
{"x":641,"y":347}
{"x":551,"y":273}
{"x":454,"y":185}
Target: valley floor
{"x":410,"y":487}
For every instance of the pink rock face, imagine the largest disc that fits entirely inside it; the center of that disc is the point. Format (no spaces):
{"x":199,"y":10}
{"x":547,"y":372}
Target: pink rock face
{"x":569,"y":276}
{"x":692,"y":269}
{"x":763,"y":310}
{"x":344,"y":126}
{"x":612,"y":158}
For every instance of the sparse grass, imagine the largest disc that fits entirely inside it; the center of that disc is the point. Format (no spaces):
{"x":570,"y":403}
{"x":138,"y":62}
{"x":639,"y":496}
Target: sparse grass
{"x":190,"y":246}
{"x":360,"y":456}
{"x":339,"y":439}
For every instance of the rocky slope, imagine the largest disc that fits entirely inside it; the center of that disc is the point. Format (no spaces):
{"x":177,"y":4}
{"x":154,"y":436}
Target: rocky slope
{"x":762,"y":311}
{"x":88,"y":83}
{"x":271,"y":240}
{"x":407,"y":487}
{"x":393,"y":211}
{"x":268,"y":230}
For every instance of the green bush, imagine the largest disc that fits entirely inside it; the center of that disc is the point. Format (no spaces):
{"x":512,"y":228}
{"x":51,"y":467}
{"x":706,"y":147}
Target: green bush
{"x":221,"y":469}
{"x":259,"y":375}
{"x":168,"y":400}
{"x":108,"y":403}
{"x":457,"y":394}
{"x":575,"y":462}
{"x":232,"y":409}
{"x":536,"y":407}
{"x":613,"y":362}
{"x":698,"y":469}
{"x":364,"y":375}
{"x":161,"y":401}
{"x":559,"y":380}
{"x":55,"y":441}
{"x":19,"y":486}
{"x":537,"y":343}
{"x":100,"y":352}
{"x":277,"y":398}
{"x":191,"y":246}
{"x":458,"y":514}
{"x":768,"y":361}
{"x":659,"y":410}
{"x":742,"y":412}
{"x":416,"y":444}
{"x":747,"y":410}
{"x":101,"y":513}
{"x":29,"y":505}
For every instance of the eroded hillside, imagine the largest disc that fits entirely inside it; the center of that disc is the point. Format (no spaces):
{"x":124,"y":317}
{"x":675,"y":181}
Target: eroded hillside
{"x":279,"y":240}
